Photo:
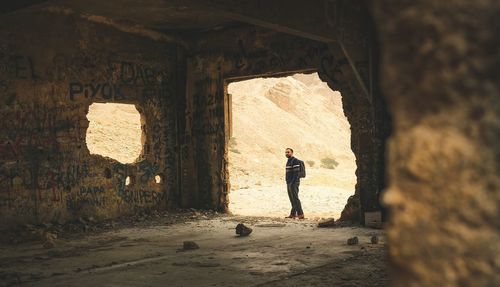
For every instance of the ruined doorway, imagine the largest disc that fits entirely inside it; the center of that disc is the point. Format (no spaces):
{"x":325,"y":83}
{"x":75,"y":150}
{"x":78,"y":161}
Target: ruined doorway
{"x":299,"y":111}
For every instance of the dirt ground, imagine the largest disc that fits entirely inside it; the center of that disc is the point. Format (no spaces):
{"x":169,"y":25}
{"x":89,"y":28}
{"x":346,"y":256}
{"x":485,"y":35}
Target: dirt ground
{"x":323,"y":194}
{"x":317,"y":201}
{"x":279,"y":252}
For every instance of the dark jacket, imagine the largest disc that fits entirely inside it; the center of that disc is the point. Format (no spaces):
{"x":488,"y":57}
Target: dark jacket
{"x":292,"y":170}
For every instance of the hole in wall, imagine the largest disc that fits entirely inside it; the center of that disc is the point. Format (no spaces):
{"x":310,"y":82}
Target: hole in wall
{"x":301,"y":112}
{"x":158,"y":178}
{"x":128,"y":181}
{"x":114,"y":131}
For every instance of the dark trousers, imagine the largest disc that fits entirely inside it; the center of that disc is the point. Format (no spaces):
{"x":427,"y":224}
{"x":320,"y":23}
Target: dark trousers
{"x":293,"y":194}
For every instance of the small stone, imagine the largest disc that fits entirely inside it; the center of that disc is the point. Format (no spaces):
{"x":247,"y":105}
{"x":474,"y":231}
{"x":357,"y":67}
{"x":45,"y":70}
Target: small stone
{"x":190,"y":245}
{"x":352,"y":241}
{"x":374,"y":239}
{"x":242,"y":230}
{"x":49,"y":244}
{"x":50,"y":236}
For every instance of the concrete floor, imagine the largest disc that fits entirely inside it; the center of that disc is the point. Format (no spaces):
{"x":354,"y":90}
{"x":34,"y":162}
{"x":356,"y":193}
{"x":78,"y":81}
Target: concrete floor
{"x":279,"y":252}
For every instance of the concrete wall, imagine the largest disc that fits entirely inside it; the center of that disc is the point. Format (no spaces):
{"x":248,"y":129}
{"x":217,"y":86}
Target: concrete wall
{"x":441,"y":74}
{"x":53,"y":65}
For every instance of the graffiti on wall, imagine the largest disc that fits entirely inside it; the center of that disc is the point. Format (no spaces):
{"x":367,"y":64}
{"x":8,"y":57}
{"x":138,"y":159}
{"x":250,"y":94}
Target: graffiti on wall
{"x":152,"y":80}
{"x":142,"y":197}
{"x":33,"y":126}
{"x":42,"y":144}
{"x":298,"y":54}
{"x":92,"y":91}
{"x":19,"y":67}
{"x":212,"y":114}
{"x":87,"y":196}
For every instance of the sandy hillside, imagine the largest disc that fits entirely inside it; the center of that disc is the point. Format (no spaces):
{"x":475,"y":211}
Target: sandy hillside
{"x":300,"y":112}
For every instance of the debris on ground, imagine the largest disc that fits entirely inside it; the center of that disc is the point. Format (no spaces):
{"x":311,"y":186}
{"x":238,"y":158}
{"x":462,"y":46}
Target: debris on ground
{"x":243,"y":230}
{"x":190,"y":245}
{"x":374,"y":239}
{"x":49,"y":240}
{"x":150,"y":244}
{"x":353,"y":240}
{"x":83,"y":224}
{"x":330,"y":222}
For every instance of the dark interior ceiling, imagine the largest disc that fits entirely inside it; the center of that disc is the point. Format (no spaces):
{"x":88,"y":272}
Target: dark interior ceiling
{"x":185,"y":16}
{"x":157,"y":15}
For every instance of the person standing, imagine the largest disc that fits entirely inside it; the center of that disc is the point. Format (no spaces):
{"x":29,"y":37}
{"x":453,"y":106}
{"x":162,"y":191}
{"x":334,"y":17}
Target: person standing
{"x":292,"y":176}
